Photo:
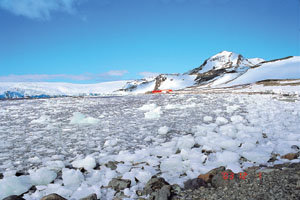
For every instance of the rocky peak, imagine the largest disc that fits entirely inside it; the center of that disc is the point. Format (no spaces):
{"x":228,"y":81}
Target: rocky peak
{"x":222,"y":60}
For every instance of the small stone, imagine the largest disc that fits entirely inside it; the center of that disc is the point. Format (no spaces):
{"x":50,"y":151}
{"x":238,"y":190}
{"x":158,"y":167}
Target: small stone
{"x":298,"y":184}
{"x":119,"y":184}
{"x":154,"y":184}
{"x":1,"y":176}
{"x":90,"y":197}
{"x":112,"y":165}
{"x":290,"y":156}
{"x":273,"y":158}
{"x":164,"y":193}
{"x":21,"y":173}
{"x":176,"y":189}
{"x":13,"y":197}
{"x":139,"y":193}
{"x":53,"y":197}
{"x":264,"y":135}
{"x":295,"y":147}
{"x":194,"y":183}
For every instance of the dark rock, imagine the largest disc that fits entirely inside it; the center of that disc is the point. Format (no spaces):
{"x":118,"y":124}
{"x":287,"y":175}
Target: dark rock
{"x":264,"y":135}
{"x":1,"y":176}
{"x":194,"y":184}
{"x":207,"y":152}
{"x":295,"y":147}
{"x":273,"y":158}
{"x":196,"y":145}
{"x":97,"y":166}
{"x":119,"y":184}
{"x":53,"y":197}
{"x":120,"y":196}
{"x":112,"y":165}
{"x":154,"y":185}
{"x":164,"y":193}
{"x":13,"y":197}
{"x":90,"y":197}
{"x":21,"y":173}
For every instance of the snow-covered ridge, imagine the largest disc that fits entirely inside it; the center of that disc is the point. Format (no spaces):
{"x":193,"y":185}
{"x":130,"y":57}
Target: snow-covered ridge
{"x":288,"y":68}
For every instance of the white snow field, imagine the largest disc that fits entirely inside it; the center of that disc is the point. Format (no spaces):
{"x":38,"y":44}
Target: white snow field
{"x":145,"y":134}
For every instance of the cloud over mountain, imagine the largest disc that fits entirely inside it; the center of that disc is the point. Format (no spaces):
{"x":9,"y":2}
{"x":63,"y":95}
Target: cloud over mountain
{"x":38,"y":9}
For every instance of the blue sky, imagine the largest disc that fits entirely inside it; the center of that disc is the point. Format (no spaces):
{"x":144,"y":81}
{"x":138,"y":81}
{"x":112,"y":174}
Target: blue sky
{"x":89,"y":41}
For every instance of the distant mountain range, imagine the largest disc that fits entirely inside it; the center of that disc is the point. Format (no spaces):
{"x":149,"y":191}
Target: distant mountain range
{"x":225,"y":69}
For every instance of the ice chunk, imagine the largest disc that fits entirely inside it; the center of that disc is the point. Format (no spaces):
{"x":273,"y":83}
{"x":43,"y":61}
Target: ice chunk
{"x":186,"y":142}
{"x":84,"y":190}
{"x":143,"y":176}
{"x":148,"y":107}
{"x":79,"y":118}
{"x":227,"y":157}
{"x":163,"y":130}
{"x":55,"y":165}
{"x":111,"y":143}
{"x":42,"y":176}
{"x":88,"y":163}
{"x":153,"y":114}
{"x":237,"y":119}
{"x":173,"y":164}
{"x":207,"y":119}
{"x":221,"y":120}
{"x":257,"y":156}
{"x":71,"y":177}
{"x":40,"y":120}
{"x":14,"y":186}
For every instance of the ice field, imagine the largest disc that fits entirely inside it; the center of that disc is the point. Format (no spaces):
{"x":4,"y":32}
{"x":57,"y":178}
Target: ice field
{"x":175,"y":136}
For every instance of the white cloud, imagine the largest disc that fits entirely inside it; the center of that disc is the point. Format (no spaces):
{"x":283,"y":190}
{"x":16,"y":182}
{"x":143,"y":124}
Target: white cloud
{"x":117,"y":72}
{"x":38,"y":9}
{"x":110,"y":75}
{"x":148,"y":74}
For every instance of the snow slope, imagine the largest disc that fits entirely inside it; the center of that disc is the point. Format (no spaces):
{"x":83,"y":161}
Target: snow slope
{"x":161,"y":82}
{"x":283,"y":69}
{"x":47,"y":89}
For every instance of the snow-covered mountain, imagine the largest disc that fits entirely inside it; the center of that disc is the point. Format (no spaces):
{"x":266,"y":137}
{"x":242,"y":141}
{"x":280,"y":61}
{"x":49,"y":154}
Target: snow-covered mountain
{"x":221,"y":70}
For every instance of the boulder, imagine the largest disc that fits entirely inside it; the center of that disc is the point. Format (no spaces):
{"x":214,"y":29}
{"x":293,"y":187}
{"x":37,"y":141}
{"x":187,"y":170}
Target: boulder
{"x":119,"y":184}
{"x":13,"y":197}
{"x":53,"y":197}
{"x":209,"y":175}
{"x":154,"y":185}
{"x":164,"y":193}
{"x":290,"y":156}
{"x":90,"y":197}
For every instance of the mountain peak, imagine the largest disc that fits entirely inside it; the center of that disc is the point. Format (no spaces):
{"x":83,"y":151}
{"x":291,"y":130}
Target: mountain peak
{"x":224,"y":59}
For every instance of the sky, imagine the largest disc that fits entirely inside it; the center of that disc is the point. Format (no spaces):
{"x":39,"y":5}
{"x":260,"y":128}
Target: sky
{"x":89,"y":41}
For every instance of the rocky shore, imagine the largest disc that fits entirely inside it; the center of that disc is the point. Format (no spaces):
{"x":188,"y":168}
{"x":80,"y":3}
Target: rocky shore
{"x":280,"y":181}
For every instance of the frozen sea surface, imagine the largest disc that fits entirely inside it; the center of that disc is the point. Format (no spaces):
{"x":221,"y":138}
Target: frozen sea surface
{"x":169,"y":135}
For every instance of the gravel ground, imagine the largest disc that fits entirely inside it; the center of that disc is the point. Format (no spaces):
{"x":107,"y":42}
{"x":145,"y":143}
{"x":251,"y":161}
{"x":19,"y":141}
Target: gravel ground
{"x":278,"y":182}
